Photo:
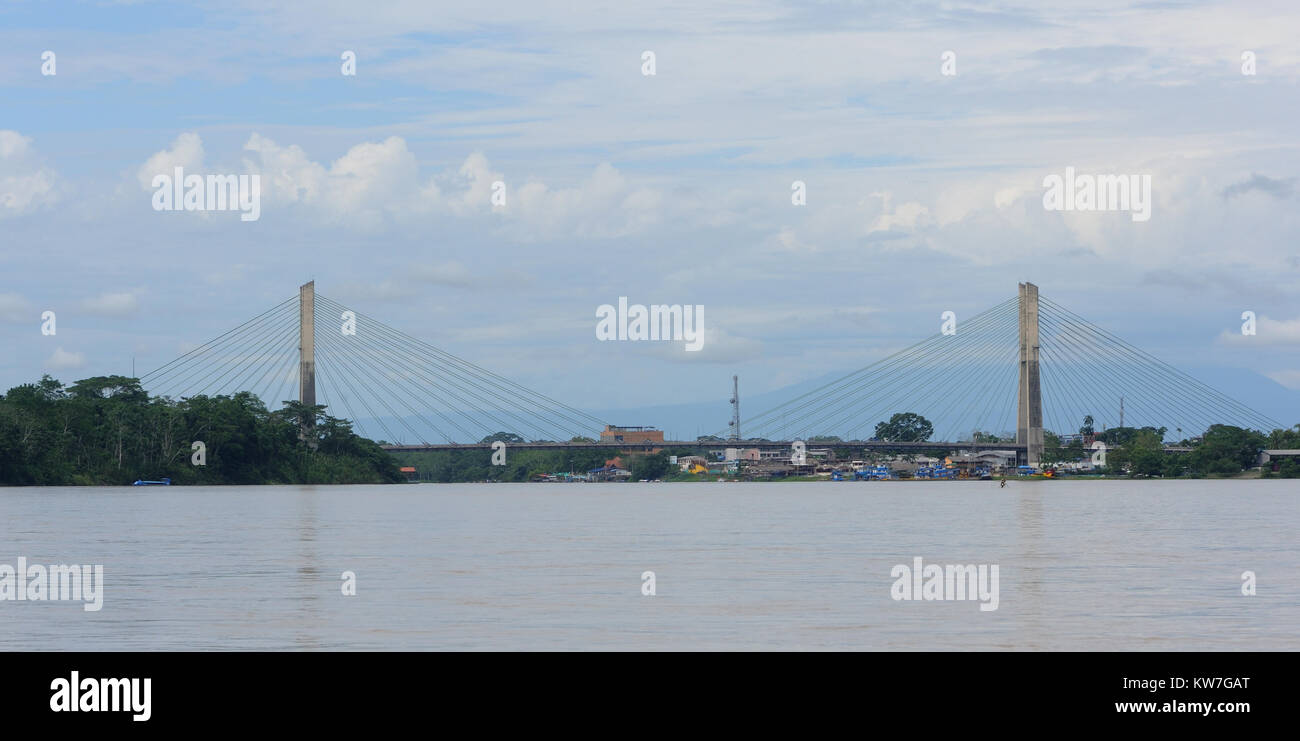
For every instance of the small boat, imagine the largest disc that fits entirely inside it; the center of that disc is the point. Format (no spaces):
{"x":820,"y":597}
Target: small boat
{"x":164,"y":482}
{"x":874,"y":473}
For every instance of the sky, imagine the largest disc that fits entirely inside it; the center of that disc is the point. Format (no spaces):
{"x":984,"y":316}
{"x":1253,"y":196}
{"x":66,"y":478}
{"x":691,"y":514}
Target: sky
{"x":923,"y":134}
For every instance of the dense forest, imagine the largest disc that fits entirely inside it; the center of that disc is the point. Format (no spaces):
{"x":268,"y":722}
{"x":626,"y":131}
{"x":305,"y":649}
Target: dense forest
{"x":107,"y":430}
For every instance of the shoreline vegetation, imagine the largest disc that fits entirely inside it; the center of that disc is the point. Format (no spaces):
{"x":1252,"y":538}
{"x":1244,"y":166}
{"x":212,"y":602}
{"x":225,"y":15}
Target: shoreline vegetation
{"x":107,"y":431}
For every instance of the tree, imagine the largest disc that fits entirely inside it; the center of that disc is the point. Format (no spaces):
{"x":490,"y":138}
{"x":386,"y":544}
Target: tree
{"x":1146,"y":453}
{"x":507,"y":437}
{"x":1289,"y":468}
{"x":1227,"y":449}
{"x":905,"y":427}
{"x":1284,"y":439}
{"x":107,"y":430}
{"x":649,"y":467}
{"x":119,"y":388}
{"x":1087,"y":426}
{"x":1053,"y":451}
{"x":301,"y":415}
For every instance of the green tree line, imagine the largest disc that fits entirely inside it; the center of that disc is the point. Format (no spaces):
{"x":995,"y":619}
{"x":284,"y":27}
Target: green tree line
{"x":108,"y":430}
{"x":1221,"y":450}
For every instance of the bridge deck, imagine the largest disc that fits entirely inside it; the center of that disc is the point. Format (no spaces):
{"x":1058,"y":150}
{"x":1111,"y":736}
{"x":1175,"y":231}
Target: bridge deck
{"x":761,"y":444}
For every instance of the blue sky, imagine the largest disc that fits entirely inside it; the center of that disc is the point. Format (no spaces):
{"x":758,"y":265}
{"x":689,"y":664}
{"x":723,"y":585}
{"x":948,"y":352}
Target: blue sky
{"x":924,"y":190}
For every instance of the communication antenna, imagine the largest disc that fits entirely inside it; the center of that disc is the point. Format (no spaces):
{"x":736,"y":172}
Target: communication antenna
{"x":735,"y":408}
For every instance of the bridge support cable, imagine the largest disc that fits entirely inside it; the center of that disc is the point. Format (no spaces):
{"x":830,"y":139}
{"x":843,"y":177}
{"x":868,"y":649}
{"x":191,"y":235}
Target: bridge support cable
{"x":949,"y":380}
{"x":363,"y":357}
{"x":408,"y":369}
{"x":1090,"y":369}
{"x":464,"y":389}
{"x":230,"y":353}
{"x":1103,"y":380}
{"x":347,"y":379}
{"x":1101,"y":368}
{"x":961,"y":383}
{"x":207,"y":346}
{"x":927,"y":373}
{"x":981,"y":408}
{"x":371,"y":381}
{"x":286,"y":372}
{"x":1215,"y":405}
{"x":200,"y":364}
{"x":414,"y":370}
{"x":400,"y":382}
{"x":849,"y":386}
{"x":345,"y":402}
{"x":259,"y":362}
{"x":222,"y":374}
{"x":390,"y":383}
{"x":983,"y":360}
{"x":1062,"y":385}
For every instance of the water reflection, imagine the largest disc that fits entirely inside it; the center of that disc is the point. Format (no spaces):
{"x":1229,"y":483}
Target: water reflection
{"x":309,"y":582}
{"x":1029,"y":571}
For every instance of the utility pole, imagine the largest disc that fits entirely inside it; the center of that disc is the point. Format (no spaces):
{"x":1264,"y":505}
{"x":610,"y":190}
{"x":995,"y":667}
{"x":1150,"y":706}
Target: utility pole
{"x":735,"y":407}
{"x":1121,"y":411}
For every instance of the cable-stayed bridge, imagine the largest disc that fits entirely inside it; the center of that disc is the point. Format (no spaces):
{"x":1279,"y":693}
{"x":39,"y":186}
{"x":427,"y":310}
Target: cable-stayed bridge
{"x":364,"y":369}
{"x":997,"y":379}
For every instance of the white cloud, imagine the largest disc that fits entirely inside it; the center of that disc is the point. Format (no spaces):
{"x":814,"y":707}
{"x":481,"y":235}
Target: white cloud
{"x":904,"y":218}
{"x":25,"y":184}
{"x":287,"y":173}
{"x":370,"y":180}
{"x":186,"y":152}
{"x":373,"y":176}
{"x":478,"y":176}
{"x":1267,"y":332}
{"x":378,"y":180}
{"x":604,"y":205}
{"x":64,"y":360}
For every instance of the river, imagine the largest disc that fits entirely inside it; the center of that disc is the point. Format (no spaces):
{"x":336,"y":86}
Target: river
{"x":1083,"y":565}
